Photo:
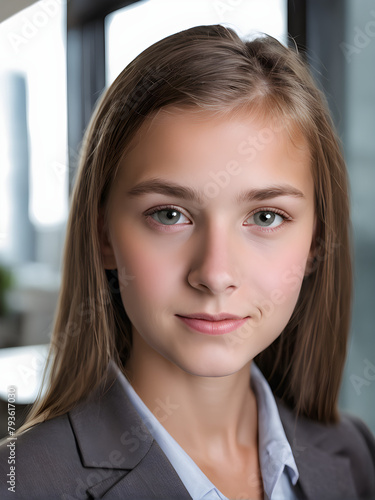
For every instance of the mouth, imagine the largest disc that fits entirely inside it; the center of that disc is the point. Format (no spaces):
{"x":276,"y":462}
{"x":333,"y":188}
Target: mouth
{"x":216,"y":324}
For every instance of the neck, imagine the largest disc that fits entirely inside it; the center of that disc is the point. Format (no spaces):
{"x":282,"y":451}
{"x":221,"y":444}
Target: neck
{"x":214,"y":414}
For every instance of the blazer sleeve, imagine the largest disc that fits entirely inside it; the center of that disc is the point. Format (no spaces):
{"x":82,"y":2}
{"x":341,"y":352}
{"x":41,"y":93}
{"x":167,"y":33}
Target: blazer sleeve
{"x":367,"y":436}
{"x":363,"y":462}
{"x":46,"y":463}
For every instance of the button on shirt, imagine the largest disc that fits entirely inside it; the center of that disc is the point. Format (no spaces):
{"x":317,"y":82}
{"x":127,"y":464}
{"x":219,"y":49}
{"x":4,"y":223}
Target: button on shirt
{"x":277,"y":464}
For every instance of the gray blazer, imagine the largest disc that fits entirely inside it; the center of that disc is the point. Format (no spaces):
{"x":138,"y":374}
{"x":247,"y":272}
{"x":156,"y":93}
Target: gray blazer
{"x":101,"y":449}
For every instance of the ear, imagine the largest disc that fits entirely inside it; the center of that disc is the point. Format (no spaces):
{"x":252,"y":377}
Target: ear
{"x":106,"y":250}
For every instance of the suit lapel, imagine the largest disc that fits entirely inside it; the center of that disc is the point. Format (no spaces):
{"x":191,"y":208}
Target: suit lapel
{"x":121,"y":456}
{"x":123,"y":460}
{"x":323,"y":472}
{"x":153,"y":478}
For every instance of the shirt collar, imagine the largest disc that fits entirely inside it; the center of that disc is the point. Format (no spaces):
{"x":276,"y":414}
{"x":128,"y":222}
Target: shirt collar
{"x":194,"y":480}
{"x":275,"y":453}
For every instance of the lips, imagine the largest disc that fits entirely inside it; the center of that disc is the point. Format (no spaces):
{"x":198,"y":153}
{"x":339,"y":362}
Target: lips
{"x":216,"y":324}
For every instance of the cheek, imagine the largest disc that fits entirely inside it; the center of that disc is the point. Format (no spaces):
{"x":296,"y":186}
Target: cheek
{"x":280,"y":278}
{"x":153,"y":274}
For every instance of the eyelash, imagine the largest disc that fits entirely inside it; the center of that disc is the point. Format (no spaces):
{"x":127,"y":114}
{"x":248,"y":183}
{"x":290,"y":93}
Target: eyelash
{"x":286,"y":218}
{"x":148,"y":214}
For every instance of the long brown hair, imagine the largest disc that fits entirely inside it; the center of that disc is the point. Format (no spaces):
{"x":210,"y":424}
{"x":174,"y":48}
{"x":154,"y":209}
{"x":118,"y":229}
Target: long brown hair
{"x":209,"y":68}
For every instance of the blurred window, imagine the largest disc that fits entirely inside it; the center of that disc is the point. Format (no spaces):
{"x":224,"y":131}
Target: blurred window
{"x":33,"y":50}
{"x":132,"y":29}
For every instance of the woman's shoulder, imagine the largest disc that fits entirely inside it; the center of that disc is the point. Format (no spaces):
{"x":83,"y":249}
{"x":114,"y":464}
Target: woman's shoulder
{"x":342,"y":452}
{"x":355,"y":434}
{"x":348,"y":432}
{"x":39,"y":434}
{"x":352,"y":441}
{"x":348,"y":436}
{"x":43,"y":455}
{"x":99,"y":448}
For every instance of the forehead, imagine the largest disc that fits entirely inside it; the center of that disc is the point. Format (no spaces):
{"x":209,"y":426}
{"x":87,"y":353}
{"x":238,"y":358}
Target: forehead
{"x":189,"y":146}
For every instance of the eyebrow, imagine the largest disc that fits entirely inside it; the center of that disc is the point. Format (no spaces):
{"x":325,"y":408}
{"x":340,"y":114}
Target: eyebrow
{"x":187,"y":193}
{"x":270,"y":192}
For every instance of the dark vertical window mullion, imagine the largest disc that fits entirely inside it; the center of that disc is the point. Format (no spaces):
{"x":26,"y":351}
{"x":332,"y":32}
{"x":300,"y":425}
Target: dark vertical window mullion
{"x":85,"y":66}
{"x":297,"y":24}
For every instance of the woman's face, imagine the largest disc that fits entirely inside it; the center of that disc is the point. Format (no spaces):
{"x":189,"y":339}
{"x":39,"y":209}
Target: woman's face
{"x":210,"y":225}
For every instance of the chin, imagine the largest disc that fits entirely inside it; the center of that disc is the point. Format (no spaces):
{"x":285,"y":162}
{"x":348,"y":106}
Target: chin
{"x":213,"y":367}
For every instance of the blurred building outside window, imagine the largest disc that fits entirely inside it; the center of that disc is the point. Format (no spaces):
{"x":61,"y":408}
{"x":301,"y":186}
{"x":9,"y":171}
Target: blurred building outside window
{"x":33,"y":167}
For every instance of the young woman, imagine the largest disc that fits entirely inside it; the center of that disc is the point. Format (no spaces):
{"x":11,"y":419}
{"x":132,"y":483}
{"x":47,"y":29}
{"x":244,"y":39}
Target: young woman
{"x":202,"y":326}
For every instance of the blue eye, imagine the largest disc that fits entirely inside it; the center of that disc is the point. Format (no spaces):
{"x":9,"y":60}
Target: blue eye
{"x":169,"y":217}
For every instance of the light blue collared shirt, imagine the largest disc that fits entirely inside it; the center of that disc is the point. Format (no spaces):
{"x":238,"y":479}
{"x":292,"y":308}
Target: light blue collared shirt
{"x":277,"y":464}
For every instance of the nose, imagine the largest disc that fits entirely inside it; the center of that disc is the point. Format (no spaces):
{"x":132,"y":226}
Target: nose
{"x":215,"y":266}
